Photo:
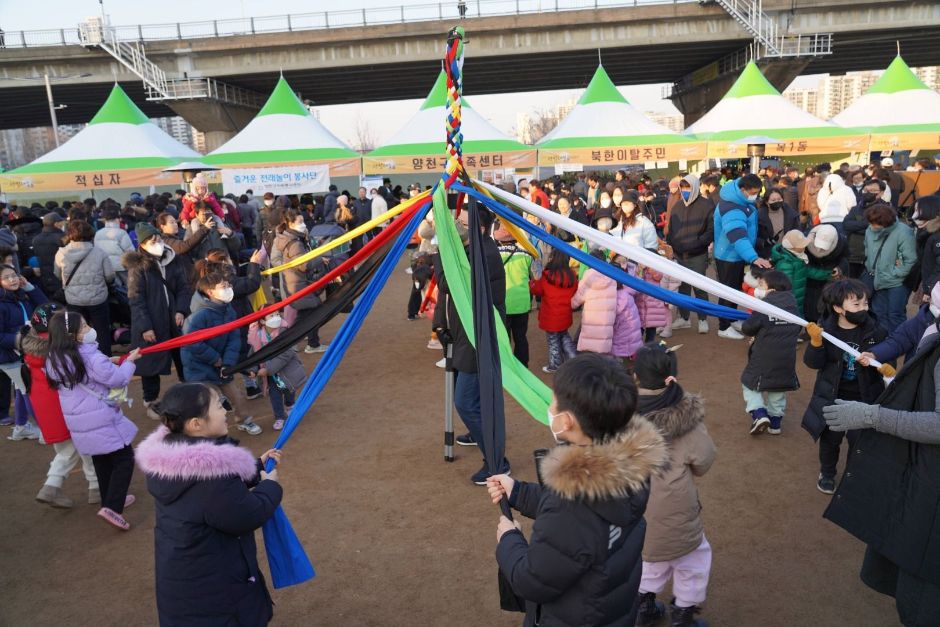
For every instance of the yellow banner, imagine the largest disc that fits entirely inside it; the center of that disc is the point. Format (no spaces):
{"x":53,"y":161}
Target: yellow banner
{"x":793,"y":147}
{"x":628,"y":154}
{"x":473,"y":162}
{"x":905,"y":141}
{"x":81,"y":181}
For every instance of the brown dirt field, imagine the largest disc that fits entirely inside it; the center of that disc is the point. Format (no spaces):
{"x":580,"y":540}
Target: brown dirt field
{"x":399,"y":537}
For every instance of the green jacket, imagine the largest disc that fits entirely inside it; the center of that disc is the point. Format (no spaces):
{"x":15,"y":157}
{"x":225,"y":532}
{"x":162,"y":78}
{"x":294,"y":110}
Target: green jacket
{"x":897,"y":257}
{"x":518,"y":266}
{"x":797,"y":270}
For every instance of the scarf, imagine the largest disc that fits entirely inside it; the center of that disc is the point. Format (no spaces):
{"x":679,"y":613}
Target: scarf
{"x":671,"y":395}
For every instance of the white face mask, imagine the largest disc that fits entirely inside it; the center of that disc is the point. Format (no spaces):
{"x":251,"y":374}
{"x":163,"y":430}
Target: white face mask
{"x":154,"y":248}
{"x":300,"y":228}
{"x":752,"y":198}
{"x":273,"y":322}
{"x":555,"y":434}
{"x":605,"y":202}
{"x":759,"y":293}
{"x":226,"y":294}
{"x":90,"y":337}
{"x":269,"y":203}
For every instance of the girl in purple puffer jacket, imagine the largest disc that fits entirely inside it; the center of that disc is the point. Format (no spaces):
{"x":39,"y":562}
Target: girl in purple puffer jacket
{"x":85,"y":378}
{"x":628,"y":331}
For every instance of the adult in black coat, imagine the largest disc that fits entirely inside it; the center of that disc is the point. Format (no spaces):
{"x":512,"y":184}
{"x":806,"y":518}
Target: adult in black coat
{"x":45,"y":246}
{"x":828,"y":250}
{"x":774,"y":210}
{"x":159,"y":293}
{"x":211,"y":496}
{"x":26,"y":227}
{"x":582,"y":564}
{"x":855,"y":224}
{"x":690,"y":231}
{"x":889,"y":497}
{"x":771,"y":359}
{"x":926,"y":217}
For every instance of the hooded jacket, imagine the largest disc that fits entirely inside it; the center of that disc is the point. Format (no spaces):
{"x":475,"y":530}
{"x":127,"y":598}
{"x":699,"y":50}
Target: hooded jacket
{"x":654,"y":313}
{"x":628,"y":328}
{"x":673,"y":513}
{"x":771,"y":359}
{"x":44,"y":399}
{"x":930,"y":256}
{"x":200,"y":359}
{"x":15,"y":310}
{"x":46,"y":245}
{"x":691,"y":225}
{"x":288,"y":245}
{"x":555,"y":309}
{"x":735,"y":225}
{"x":855,"y":226}
{"x":88,"y":282}
{"x":205,"y":554}
{"x":286,"y":365}
{"x":835,"y":189}
{"x":890,"y":254}
{"x":798,"y":272}
{"x":598,"y":294}
{"x":582,"y":564}
{"x":114,"y":241}
{"x":517,"y":264}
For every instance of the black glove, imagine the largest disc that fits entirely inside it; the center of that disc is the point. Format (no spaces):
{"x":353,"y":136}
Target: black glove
{"x":225,"y":375}
{"x":444,"y":336}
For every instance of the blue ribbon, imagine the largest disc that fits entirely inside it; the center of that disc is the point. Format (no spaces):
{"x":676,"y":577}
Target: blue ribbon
{"x":614,"y":272}
{"x":286,"y":557}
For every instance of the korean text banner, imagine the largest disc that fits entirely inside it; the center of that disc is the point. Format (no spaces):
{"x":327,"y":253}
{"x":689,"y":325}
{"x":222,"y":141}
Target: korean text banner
{"x":286,"y":179}
{"x":401,"y":164}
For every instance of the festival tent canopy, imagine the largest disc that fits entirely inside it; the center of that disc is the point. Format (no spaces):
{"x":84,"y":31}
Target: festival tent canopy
{"x":754,"y":107}
{"x":604,"y":128}
{"x":119,"y":148}
{"x":284,"y":133}
{"x":419,"y":146}
{"x":899,"y":111}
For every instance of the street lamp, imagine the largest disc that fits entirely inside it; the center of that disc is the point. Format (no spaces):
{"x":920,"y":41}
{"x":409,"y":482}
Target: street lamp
{"x":52,"y":106}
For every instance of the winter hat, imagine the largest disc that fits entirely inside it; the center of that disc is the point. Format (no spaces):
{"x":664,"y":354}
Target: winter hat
{"x":52,"y":218}
{"x":268,"y":196}
{"x":887,"y":162}
{"x":41,"y":316}
{"x":794,"y":241}
{"x":199,"y":181}
{"x":144,"y":231}
{"x":822,"y":240}
{"x":228,"y":201}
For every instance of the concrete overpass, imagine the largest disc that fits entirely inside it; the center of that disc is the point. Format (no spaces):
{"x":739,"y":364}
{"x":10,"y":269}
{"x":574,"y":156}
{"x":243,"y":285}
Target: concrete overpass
{"x":654,"y":43}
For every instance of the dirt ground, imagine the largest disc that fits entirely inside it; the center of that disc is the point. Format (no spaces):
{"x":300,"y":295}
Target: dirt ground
{"x":399,"y":537}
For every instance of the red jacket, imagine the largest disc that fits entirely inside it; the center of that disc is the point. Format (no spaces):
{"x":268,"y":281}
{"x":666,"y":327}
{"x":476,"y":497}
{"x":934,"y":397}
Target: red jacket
{"x":189,"y":208}
{"x":539,"y":197}
{"x":44,"y":399}
{"x":555,"y":310}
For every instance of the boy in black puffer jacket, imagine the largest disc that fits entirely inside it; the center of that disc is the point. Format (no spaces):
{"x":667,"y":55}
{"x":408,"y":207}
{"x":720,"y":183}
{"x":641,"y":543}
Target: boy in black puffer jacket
{"x":582,"y":564}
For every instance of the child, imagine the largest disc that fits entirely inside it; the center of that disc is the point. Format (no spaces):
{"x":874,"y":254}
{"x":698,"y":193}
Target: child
{"x":628,"y":334}
{"x":789,"y":257}
{"x":654,"y":313}
{"x":206,"y":361}
{"x":771,"y":358}
{"x":283,"y":374}
{"x":582,"y":563}
{"x":520,"y":267}
{"x":598,"y":294}
{"x":48,"y":411}
{"x":17,"y":300}
{"x":556,"y":287}
{"x":210,"y":496}
{"x":84,"y":377}
{"x":846,"y":317}
{"x":675,"y":546}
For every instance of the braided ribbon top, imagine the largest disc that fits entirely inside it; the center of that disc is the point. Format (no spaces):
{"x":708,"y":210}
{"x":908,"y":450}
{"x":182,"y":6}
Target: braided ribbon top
{"x":453,"y":68}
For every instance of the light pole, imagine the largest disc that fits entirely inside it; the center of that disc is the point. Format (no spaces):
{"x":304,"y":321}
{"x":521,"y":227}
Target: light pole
{"x":52,"y":106}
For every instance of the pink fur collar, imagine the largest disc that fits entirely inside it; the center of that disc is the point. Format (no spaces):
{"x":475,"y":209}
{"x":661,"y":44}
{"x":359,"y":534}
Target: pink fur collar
{"x":204,"y":460}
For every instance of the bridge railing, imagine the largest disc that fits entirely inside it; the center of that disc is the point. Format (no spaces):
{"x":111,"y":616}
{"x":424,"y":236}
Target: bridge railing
{"x":319,"y":21}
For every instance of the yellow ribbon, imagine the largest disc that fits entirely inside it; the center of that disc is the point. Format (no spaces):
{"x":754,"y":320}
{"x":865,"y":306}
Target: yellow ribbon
{"x":356,"y":232}
{"x":518,"y":234}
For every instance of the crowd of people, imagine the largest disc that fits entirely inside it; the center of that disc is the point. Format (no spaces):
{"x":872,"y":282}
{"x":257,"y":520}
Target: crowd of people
{"x":85,"y":282}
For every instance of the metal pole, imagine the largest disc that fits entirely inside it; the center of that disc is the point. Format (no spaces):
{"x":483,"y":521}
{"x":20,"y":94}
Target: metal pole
{"x":252,"y":25}
{"x":363,"y":17}
{"x":290,"y":27}
{"x":55,"y":123}
{"x":449,"y":406}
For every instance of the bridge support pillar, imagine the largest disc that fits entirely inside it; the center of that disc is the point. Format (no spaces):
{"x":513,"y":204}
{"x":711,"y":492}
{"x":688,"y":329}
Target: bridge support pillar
{"x":219,"y":121}
{"x":697,"y":101}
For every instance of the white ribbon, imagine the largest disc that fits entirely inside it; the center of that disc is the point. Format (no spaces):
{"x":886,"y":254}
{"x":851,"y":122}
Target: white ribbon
{"x":659,"y":263}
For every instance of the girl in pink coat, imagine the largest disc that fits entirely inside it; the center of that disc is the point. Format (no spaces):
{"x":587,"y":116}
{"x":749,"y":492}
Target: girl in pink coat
{"x":598,"y":294}
{"x":653,"y":312}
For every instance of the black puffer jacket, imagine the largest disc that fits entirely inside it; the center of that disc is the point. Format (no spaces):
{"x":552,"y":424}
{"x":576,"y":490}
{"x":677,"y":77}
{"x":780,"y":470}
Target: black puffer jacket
{"x":771,"y":359}
{"x":446,"y":317}
{"x":45,"y":246}
{"x":930,"y":255}
{"x":204,"y":542}
{"x":583,"y":562}
{"x":828,"y":360}
{"x":692,"y":226}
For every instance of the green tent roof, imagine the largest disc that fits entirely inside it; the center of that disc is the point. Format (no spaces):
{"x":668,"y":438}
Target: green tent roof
{"x":437,"y":97}
{"x":601,"y":89}
{"x":751,"y":83}
{"x":283,"y":101}
{"x":120,"y":109}
{"x":898,"y":77}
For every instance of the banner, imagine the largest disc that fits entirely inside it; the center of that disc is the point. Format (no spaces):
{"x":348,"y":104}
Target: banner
{"x":84,"y":181}
{"x":615,"y":155}
{"x":434,"y":164}
{"x":285,"y":179}
{"x":905,"y":141}
{"x":836,"y":144}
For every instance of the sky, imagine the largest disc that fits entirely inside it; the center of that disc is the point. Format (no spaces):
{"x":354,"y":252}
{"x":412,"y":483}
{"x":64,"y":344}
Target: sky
{"x":342,"y":120}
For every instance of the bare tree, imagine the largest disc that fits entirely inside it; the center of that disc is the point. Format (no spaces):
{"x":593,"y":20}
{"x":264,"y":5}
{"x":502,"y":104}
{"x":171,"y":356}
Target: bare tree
{"x":540,"y":123}
{"x":366,"y":138}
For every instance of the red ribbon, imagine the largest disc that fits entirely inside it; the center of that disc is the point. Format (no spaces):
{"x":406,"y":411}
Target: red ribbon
{"x":429,"y":296}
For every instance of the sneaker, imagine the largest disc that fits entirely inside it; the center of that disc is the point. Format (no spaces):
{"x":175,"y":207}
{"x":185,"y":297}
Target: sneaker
{"x":53,"y":496}
{"x":466,"y":440}
{"x":738,"y":325}
{"x":775,"y":422}
{"x":408,"y":270}
{"x":252,"y":392}
{"x":549,"y":370}
{"x":680,"y":323}
{"x":442,"y":363}
{"x":730,"y":334}
{"x":311,"y":350}
{"x":411,"y":318}
{"x":435,"y":344}
{"x":480,"y":476}
{"x":759,"y":421}
{"x":666,"y":332}
{"x":685,"y":616}
{"x":702,"y":327}
{"x":24,"y":432}
{"x":249,"y":427}
{"x":94,"y":496}
{"x":153,"y":415}
{"x":278,"y":425}
{"x":651,"y":611}
{"x":826,"y":485}
{"x":6,"y":421}
{"x":114,"y":518}
{"x":129,"y":500}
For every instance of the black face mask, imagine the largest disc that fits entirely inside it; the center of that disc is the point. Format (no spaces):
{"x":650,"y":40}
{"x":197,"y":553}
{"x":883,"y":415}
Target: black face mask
{"x":869,"y":197}
{"x":856,"y":317}
{"x":776,"y":206}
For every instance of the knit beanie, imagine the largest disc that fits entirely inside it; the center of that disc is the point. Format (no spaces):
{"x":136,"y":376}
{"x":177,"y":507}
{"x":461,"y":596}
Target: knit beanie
{"x":199,"y":181}
{"x":794,"y":241}
{"x":144,"y":231}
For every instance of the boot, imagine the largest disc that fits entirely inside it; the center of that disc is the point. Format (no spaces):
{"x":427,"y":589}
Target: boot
{"x":685,"y":616}
{"x":53,"y":496}
{"x":651,"y":610}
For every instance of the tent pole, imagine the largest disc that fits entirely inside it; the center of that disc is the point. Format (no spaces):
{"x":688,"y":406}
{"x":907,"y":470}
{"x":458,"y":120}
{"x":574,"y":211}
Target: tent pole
{"x":449,"y":406}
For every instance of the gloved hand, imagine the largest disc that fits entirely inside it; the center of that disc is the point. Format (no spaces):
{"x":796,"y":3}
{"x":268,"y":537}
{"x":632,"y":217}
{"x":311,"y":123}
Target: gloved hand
{"x":848,"y":415}
{"x":444,"y":336}
{"x":814,"y":331}
{"x":886,"y":370}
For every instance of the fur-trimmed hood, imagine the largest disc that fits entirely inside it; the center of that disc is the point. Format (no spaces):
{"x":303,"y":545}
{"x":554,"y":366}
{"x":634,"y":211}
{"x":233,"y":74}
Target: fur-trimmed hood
{"x":609,"y":471}
{"x":176,"y":465}
{"x":932,"y":226}
{"x":136,"y":258}
{"x":32,"y":344}
{"x":675,"y":421}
